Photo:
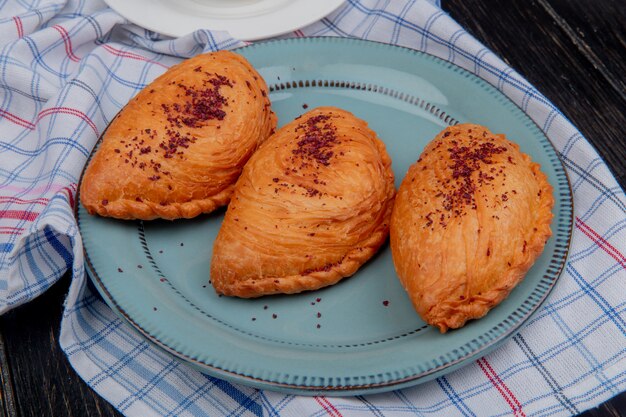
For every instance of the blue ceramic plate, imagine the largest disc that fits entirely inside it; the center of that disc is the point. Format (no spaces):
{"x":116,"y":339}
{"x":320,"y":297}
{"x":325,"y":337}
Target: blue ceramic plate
{"x":361,"y":335}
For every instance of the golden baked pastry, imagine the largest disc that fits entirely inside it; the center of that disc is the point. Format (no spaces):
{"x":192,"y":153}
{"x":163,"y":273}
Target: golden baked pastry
{"x":311,"y":206}
{"x":470,"y":219}
{"x":178,"y":147}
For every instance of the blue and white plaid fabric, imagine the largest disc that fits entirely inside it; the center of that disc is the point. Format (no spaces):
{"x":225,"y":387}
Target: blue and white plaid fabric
{"x":67,"y":67}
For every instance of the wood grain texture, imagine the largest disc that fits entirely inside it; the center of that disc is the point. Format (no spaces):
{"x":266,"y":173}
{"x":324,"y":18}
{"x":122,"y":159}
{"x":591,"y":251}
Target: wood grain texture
{"x":528,"y":38}
{"x":598,"y":35}
{"x":571,"y":50}
{"x":45,"y":384}
{"x":7,"y":395}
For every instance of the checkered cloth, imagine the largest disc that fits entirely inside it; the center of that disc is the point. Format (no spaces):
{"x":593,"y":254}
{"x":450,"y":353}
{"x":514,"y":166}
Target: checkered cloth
{"x":66,"y":68}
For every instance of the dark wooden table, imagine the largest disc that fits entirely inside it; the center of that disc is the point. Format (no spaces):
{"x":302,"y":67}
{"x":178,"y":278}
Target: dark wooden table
{"x":571,"y":50}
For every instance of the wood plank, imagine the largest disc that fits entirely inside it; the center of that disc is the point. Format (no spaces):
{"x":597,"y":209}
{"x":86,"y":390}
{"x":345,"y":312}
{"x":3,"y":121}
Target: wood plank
{"x":528,"y":38}
{"x":612,"y":408}
{"x":7,"y":396}
{"x":45,"y":383}
{"x":598,"y":29}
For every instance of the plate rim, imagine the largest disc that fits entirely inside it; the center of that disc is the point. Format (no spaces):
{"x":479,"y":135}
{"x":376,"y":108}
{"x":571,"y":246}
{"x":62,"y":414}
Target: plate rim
{"x":567,"y":200}
{"x":331,"y":6}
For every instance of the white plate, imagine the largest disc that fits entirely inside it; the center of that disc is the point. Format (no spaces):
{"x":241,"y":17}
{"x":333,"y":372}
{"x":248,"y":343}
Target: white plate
{"x":247,"y":20}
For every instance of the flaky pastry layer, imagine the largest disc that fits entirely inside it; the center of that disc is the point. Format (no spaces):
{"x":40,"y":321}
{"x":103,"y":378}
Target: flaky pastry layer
{"x":311,"y":206}
{"x":471,"y":217}
{"x":177,"y":148}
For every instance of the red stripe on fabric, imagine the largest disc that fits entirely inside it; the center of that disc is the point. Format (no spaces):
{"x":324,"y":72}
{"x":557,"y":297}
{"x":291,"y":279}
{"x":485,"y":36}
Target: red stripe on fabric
{"x":5,"y":230}
{"x":71,"y":189}
{"x":502,"y":388}
{"x":332,"y":407}
{"x":19,"y":26}
{"x":299,"y":33}
{"x":506,"y":388}
{"x":19,"y":215}
{"x":601,"y":242}
{"x":17,"y":120}
{"x":125,"y":54}
{"x":70,"y":111}
{"x":67,"y":41}
{"x":328,"y":407}
{"x":15,"y":200}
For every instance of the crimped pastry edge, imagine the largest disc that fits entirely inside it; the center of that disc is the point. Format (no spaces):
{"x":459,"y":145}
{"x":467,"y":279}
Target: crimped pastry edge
{"x":131,"y":209}
{"x":349,"y":264}
{"x":458,"y":314}
{"x":143,"y":210}
{"x":454,"y":314}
